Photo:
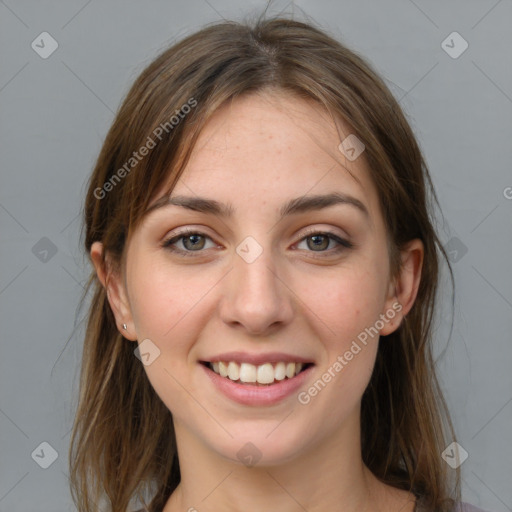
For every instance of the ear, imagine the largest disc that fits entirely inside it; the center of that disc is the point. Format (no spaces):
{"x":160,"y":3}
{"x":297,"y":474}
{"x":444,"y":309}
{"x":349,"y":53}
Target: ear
{"x":116,"y":292}
{"x":404,"y":288}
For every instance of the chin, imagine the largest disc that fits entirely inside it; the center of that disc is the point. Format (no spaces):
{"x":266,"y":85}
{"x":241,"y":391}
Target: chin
{"x":259,"y":445}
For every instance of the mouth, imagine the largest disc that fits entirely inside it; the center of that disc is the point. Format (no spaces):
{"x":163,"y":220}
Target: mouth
{"x":263,"y":375}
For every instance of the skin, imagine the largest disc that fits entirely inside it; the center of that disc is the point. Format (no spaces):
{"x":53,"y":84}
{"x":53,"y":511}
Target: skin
{"x":257,"y":153}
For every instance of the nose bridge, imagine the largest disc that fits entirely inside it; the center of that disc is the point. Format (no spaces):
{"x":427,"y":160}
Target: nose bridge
{"x":257,"y":299}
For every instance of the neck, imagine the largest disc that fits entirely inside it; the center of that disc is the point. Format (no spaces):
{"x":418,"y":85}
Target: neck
{"x":315,"y":480}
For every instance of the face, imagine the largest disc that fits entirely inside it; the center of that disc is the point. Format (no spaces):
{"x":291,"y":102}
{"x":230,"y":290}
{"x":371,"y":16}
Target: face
{"x":269,"y":280}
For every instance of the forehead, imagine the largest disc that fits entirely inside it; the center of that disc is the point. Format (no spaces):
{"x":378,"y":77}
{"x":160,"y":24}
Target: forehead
{"x":264,"y":148}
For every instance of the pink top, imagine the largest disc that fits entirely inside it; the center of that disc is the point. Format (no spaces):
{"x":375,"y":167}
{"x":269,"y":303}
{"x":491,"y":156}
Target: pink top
{"x":466,"y":507}
{"x":462,"y":507}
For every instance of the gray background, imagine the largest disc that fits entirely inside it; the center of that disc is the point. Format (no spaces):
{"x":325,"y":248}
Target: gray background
{"x":55,"y":113}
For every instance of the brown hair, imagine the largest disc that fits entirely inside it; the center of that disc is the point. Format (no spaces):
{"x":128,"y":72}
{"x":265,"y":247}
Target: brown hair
{"x":123,"y":444}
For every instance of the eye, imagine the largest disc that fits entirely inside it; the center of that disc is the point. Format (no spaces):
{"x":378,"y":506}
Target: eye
{"x":195,"y":242}
{"x":324,"y":241}
{"x":190,"y":241}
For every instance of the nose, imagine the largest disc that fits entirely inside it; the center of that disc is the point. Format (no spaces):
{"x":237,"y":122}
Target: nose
{"x":256,"y":297}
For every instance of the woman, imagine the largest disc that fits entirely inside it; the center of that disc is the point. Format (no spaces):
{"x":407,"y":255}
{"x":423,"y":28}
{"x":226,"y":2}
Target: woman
{"x":265,"y":272}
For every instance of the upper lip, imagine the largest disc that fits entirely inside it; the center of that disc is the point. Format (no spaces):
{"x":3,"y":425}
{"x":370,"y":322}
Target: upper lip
{"x":257,"y":359}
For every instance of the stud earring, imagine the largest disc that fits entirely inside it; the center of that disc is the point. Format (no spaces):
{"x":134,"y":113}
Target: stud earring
{"x":125,"y":327}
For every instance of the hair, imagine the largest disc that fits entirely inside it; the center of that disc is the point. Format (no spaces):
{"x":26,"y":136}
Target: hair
{"x":123,"y":444}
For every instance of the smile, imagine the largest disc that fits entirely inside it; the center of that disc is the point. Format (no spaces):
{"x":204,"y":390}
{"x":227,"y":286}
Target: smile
{"x":260,"y":384}
{"x":264,"y":374}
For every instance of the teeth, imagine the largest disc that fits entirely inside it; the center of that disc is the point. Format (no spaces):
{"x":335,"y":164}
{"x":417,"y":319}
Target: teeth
{"x":248,"y":372}
{"x":233,"y":371}
{"x":223,"y":369}
{"x":263,"y":374}
{"x":280,"y":371}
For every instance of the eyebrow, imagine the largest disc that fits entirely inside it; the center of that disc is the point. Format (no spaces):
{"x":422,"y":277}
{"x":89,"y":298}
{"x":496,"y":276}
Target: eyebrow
{"x":294,"y":206}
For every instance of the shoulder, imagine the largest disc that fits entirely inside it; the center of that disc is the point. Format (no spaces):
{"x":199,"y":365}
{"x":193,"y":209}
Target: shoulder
{"x":466,"y":507}
{"x":459,"y":507}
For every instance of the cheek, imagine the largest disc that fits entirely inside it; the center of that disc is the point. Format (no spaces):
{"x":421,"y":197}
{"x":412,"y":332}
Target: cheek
{"x":346,"y":302}
{"x":163,"y":298}
{"x":346,"y":307}
{"x":165,"y":305}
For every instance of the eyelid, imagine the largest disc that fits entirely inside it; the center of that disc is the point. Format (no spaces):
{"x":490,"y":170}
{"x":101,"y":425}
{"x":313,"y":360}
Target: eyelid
{"x":174,"y":237}
{"x":323,"y":231}
{"x":342,"y":242}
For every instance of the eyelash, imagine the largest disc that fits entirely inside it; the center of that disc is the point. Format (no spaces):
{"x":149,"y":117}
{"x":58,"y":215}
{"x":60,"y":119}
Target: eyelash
{"x":342,"y":243}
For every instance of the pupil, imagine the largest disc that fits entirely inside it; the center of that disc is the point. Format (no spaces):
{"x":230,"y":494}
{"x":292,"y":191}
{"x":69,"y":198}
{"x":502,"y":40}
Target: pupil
{"x":194,"y":239}
{"x":320,"y":239}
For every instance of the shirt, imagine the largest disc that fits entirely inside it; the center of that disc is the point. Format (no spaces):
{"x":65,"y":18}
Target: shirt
{"x":462,"y":507}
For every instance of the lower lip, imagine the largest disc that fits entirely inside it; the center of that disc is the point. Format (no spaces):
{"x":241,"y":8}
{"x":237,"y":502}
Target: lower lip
{"x":247,"y":394}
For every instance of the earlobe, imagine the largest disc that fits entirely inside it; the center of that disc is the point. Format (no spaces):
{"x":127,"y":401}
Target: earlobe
{"x":116,"y":293}
{"x":404,"y":289}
